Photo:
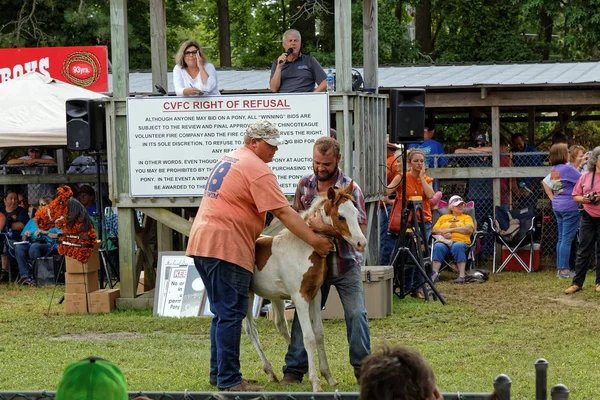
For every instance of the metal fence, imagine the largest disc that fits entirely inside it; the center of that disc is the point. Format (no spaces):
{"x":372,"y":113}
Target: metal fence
{"x":516,"y":193}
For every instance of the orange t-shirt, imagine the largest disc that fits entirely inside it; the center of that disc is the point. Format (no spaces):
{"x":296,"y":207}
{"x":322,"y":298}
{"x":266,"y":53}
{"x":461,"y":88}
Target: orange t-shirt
{"x":239,"y":192}
{"x":414,"y":187}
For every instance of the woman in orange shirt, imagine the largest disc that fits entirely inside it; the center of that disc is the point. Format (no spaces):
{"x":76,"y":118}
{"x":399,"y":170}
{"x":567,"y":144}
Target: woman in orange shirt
{"x":417,"y":184}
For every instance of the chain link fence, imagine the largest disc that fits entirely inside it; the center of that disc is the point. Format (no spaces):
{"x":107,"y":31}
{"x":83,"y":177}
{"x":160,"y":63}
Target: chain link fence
{"x":515,"y":193}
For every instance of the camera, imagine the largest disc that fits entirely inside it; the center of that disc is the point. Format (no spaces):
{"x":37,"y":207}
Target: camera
{"x":592,"y":198}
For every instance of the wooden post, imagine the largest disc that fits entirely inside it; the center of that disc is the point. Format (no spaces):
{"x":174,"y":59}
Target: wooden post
{"x":370,"y":50}
{"x":158,"y":43}
{"x":343,"y":46}
{"x":531,"y":126}
{"x":496,"y":152}
{"x":120,"y":157}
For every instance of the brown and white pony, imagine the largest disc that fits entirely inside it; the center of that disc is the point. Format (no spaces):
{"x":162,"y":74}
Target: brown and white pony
{"x":288,"y":268}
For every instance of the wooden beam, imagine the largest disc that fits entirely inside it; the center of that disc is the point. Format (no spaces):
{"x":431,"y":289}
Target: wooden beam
{"x":513,"y":99}
{"x":169,"y":219}
{"x":119,"y":48}
{"x":343,"y":46}
{"x":18,"y":179}
{"x":158,"y":43}
{"x":496,"y":153}
{"x":488,"y":172}
{"x":370,"y":47}
{"x":126,"y":252}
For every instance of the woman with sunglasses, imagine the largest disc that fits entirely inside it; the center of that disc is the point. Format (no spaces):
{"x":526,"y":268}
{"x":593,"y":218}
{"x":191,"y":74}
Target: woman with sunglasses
{"x":16,"y":218}
{"x":193,"y":75}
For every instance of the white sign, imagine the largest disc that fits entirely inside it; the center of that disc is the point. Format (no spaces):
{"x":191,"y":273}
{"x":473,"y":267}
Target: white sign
{"x":179,"y":289}
{"x":174,"y":142}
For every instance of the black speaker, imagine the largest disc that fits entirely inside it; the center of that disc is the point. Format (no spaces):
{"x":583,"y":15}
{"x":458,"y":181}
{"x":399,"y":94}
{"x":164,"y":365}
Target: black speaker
{"x":86,"y":124}
{"x":407,"y":109}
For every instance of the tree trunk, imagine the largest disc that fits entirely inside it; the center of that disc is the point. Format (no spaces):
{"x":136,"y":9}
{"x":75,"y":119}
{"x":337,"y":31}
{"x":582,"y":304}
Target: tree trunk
{"x":546,"y":24}
{"x":423,"y":26}
{"x":224,"y":33}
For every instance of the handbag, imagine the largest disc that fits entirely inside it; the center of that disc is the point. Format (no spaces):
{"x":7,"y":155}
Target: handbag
{"x":47,"y":271}
{"x":395,"y":217}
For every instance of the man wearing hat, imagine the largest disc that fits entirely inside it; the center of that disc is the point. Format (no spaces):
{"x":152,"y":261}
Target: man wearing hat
{"x":31,"y":162}
{"x":240,"y":190}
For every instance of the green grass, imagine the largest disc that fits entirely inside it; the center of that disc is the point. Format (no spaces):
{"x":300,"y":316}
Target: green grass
{"x":501,"y":326}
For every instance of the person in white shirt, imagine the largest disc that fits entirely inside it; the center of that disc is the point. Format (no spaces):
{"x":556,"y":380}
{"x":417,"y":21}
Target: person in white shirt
{"x":193,"y":75}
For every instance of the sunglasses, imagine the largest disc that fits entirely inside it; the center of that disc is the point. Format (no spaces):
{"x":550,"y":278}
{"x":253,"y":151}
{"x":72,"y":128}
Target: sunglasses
{"x":22,"y":202}
{"x":190,"y":53}
{"x":480,"y":144}
{"x":42,"y":205}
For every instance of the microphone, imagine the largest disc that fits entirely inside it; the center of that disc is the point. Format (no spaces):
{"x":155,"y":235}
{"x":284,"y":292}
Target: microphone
{"x":287,"y":53}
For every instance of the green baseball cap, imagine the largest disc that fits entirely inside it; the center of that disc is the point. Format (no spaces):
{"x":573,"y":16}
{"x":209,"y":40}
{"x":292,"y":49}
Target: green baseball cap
{"x":92,"y":379}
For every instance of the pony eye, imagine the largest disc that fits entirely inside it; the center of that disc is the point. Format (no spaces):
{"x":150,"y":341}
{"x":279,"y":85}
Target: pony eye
{"x":341,"y":218}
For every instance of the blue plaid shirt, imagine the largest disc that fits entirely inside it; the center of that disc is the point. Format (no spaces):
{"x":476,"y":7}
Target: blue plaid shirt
{"x":345,"y":257}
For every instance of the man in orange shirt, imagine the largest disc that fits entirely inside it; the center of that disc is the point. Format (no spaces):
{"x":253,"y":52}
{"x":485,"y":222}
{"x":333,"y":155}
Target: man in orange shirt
{"x":240,"y":190}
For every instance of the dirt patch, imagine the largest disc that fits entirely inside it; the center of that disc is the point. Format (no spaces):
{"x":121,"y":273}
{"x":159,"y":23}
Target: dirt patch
{"x":575,"y":302}
{"x":98,"y":336}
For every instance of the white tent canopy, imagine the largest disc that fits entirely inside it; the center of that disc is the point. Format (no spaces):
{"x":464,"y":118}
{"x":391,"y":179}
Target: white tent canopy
{"x":32,"y":110}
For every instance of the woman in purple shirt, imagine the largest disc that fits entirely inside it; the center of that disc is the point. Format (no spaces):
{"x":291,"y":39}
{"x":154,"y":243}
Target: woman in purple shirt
{"x":563,"y":178}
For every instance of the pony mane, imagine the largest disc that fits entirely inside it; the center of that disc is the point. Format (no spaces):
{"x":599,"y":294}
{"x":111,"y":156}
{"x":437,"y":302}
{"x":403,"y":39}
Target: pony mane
{"x":316,"y":204}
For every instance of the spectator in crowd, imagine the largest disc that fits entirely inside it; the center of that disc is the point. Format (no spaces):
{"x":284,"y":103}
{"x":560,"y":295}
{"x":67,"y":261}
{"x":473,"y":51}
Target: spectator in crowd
{"x":33,"y":165}
{"x":92,"y":378}
{"x":431,"y":148}
{"x":417,"y":184}
{"x":343,"y":265}
{"x":87,"y":197}
{"x":480,"y":190}
{"x":193,"y":75}
{"x":294,"y":71}
{"x":241,"y":189}
{"x":587,"y":193}
{"x":16,"y":218}
{"x":453,"y":235}
{"x":387,"y":242}
{"x":530,"y":194}
{"x":397,"y":373}
{"x":34,"y":243}
{"x":563,"y":178}
{"x":22,"y":201}
{"x":507,"y":185}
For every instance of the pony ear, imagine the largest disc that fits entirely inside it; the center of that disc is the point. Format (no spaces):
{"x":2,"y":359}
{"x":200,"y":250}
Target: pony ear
{"x":350,"y":188}
{"x":331,"y":194}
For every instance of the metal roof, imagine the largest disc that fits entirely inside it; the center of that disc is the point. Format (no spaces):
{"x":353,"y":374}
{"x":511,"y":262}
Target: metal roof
{"x":437,"y":76}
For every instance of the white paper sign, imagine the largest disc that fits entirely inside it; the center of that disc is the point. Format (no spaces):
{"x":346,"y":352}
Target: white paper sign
{"x":179,"y":289}
{"x":174,"y":142}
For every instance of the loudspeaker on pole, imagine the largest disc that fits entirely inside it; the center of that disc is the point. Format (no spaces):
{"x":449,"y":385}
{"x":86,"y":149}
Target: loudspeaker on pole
{"x":407,"y":109}
{"x":86,"y":124}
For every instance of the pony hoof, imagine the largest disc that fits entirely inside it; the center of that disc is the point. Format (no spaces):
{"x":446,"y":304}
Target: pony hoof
{"x":317,"y":389}
{"x":332,"y":382}
{"x":273,"y":378}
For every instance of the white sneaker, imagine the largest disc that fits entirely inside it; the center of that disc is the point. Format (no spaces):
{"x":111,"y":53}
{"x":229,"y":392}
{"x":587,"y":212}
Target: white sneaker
{"x":565,"y":275}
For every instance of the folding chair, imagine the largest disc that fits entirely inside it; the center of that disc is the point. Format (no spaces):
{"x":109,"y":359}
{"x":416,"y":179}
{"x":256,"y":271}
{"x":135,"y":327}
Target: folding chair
{"x":471,"y":250}
{"x":514,"y":239}
{"x":11,"y":244}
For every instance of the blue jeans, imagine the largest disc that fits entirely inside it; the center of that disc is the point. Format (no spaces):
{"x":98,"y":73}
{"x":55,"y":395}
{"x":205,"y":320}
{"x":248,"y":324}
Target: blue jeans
{"x":350,"y":289}
{"x":388,"y":243}
{"x":458,"y":250}
{"x":31,"y":251}
{"x":568,"y":223}
{"x":227,"y":287}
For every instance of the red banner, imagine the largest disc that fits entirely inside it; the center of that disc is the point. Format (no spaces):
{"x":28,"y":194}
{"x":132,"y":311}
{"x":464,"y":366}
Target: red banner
{"x":85,"y":66}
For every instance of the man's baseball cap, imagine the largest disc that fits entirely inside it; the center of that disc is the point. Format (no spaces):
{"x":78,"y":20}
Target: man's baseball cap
{"x":266,"y":131}
{"x":92,"y":379}
{"x":481,"y":138}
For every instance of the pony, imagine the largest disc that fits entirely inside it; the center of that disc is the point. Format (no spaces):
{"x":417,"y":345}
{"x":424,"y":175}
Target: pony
{"x":288,"y":268}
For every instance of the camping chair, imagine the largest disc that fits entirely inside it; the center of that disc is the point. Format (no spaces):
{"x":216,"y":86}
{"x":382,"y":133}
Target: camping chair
{"x":514,"y":230}
{"x":10,"y":244}
{"x":471,"y":250}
